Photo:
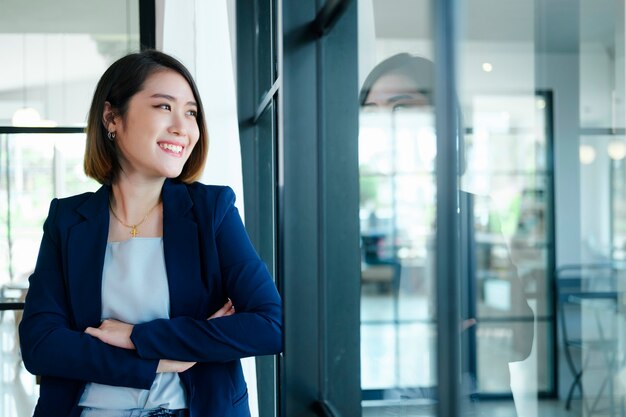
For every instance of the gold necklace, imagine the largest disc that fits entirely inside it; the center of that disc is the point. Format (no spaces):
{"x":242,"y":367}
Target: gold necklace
{"x":133,"y":227}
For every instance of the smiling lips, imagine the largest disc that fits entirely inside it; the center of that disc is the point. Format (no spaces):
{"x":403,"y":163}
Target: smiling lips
{"x":175,"y":149}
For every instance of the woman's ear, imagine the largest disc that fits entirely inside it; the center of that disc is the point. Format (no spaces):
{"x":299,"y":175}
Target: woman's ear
{"x":109,"y":117}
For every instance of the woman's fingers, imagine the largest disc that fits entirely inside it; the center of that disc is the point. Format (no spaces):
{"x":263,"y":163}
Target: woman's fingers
{"x":227,"y":309}
{"x":466,"y":324}
{"x":92,"y":331}
{"x":113,"y":332}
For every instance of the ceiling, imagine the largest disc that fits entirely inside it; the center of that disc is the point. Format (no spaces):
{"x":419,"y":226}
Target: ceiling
{"x":68,"y":16}
{"x":554,"y":26}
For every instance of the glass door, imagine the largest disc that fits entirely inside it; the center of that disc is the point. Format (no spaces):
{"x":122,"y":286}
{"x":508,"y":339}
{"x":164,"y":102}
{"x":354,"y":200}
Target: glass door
{"x":503,"y":239}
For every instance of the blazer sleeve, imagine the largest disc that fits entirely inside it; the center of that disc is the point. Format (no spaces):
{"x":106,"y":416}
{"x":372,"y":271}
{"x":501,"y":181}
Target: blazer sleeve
{"x":255,"y":328}
{"x":52,"y":347}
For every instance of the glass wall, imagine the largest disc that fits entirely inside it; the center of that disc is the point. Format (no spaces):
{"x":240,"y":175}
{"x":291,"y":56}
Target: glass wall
{"x":542,"y":220}
{"x":34,"y":169}
{"x":52,"y":57}
{"x":54,"y":53}
{"x":505,"y":233}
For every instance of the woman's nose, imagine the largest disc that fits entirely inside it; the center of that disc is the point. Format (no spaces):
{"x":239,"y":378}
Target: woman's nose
{"x":177,"y":125}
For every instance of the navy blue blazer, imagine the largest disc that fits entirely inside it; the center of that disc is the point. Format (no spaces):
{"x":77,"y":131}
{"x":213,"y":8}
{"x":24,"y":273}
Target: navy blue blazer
{"x":208,"y":257}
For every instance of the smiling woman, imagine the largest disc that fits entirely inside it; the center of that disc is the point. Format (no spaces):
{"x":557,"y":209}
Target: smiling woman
{"x":161,"y":95}
{"x":131,"y":307}
{"x":159,"y":131}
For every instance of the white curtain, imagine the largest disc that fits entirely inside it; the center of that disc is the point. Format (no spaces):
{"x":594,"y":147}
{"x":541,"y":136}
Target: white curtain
{"x":197,"y":33}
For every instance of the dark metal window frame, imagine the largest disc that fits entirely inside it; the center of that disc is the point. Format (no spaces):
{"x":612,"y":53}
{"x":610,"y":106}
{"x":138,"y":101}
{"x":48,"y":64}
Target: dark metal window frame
{"x":317,"y":231}
{"x":319,"y":201}
{"x":147,"y":24}
{"x":259,"y":144}
{"x":315,"y":196}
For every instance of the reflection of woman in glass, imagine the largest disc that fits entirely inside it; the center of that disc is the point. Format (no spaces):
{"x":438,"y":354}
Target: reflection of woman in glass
{"x":131,"y":307}
{"x":406,"y":82}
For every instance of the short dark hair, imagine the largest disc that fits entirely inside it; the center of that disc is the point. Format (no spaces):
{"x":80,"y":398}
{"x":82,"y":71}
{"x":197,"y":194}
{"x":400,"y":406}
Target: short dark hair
{"x":119,"y":83}
{"x":418,"y":69}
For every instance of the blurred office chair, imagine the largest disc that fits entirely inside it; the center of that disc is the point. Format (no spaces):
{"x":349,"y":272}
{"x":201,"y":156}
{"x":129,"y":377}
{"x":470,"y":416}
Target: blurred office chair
{"x":385,"y":274}
{"x":589,"y":292}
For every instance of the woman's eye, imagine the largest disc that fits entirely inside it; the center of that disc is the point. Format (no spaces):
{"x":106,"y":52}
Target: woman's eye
{"x":192,"y":113}
{"x":165,"y":106}
{"x":403,"y":106}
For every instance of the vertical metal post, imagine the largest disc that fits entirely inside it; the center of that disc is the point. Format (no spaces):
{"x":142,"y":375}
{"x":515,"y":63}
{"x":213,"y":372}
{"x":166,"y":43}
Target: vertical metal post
{"x":447,"y":254}
{"x":338,"y":181}
{"x":257,"y":135}
{"x":9,"y":226}
{"x":551,"y":234}
{"x":147,"y":24}
{"x":319,"y":230}
{"x":299,"y":196}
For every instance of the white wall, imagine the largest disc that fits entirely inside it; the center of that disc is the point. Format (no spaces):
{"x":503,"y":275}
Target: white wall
{"x":564,"y":84}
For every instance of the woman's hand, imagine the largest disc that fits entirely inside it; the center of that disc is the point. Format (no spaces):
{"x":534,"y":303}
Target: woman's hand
{"x":117,"y":333}
{"x":114,"y":333}
{"x":466,"y":324}
{"x":168,"y":365}
{"x":227,"y":309}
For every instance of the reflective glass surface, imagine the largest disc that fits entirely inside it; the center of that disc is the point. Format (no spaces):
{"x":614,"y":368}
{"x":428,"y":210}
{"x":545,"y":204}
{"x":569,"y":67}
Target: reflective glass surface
{"x":34,"y":169}
{"x":54,"y":54}
{"x":505,"y":235}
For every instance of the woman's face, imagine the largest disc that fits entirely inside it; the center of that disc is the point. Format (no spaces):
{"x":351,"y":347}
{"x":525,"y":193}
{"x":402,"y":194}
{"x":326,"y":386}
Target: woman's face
{"x":396,"y":109}
{"x":392,"y":90}
{"x":160,"y":129}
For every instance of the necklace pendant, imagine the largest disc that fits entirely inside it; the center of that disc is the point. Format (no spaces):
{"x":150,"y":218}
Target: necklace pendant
{"x":133,"y":231}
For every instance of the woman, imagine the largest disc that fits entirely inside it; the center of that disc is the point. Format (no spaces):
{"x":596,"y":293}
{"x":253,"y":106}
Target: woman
{"x":131,"y":307}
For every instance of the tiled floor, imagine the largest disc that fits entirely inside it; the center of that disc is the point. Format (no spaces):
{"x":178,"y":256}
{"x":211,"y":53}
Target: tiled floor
{"x":400,"y":353}
{"x":543,"y":408}
{"x":18,"y":390}
{"x":389,"y":360}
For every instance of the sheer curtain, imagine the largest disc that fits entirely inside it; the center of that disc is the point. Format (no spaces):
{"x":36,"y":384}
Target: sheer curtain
{"x":198,"y":33}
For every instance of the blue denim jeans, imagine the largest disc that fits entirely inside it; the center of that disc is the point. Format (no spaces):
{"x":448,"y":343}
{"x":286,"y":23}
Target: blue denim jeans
{"x":159,"y":412}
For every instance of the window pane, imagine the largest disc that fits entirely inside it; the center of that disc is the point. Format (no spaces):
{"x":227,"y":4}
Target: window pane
{"x":265,"y":48}
{"x":505,"y":234}
{"x":507,"y":116}
{"x":397,"y":150}
{"x":56,"y":52}
{"x":35,"y":168}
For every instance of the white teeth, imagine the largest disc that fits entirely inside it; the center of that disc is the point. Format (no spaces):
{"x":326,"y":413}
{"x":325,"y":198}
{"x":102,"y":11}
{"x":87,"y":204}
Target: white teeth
{"x":173,"y":148}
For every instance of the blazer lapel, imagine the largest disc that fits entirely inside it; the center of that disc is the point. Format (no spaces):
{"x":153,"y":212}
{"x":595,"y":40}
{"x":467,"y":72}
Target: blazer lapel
{"x":85,"y":259}
{"x":182,"y":251}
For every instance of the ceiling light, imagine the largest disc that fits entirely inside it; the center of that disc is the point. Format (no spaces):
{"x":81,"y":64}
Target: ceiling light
{"x":617,"y":150}
{"x":26,"y":116}
{"x":586,"y":154}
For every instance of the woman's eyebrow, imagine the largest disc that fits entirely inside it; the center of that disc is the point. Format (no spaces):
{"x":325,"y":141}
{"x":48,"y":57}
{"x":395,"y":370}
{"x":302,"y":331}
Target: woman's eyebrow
{"x":172,"y":98}
{"x":399,"y":97}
